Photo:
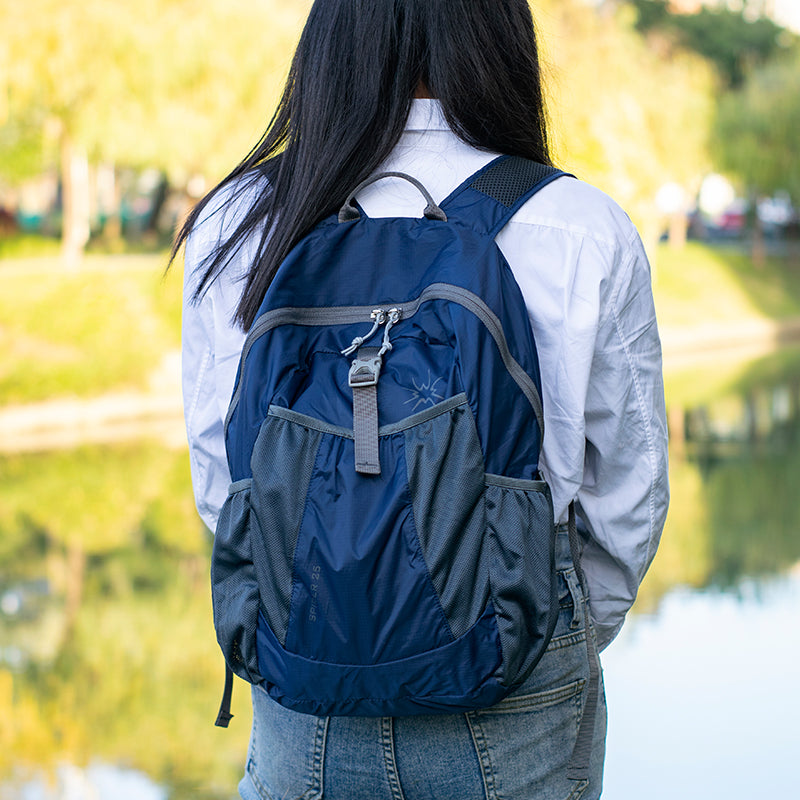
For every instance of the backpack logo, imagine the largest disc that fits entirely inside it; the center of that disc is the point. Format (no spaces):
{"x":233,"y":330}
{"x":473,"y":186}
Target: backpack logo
{"x":425,"y":394}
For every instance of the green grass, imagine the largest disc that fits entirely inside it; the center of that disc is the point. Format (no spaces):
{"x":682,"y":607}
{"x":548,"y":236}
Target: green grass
{"x":103,"y":326}
{"x":708,"y":286}
{"x":107,"y":325}
{"x":29,"y":245}
{"x":702,"y":284}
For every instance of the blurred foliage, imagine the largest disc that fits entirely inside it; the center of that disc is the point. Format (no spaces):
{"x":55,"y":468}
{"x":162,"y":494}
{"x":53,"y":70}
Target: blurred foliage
{"x":157,"y":82}
{"x":730,"y":39}
{"x":23,"y":148}
{"x":733,"y":511}
{"x":756,"y":129}
{"x":684,"y":556}
{"x":624,"y":118}
{"x":746,"y":498}
{"x":106,"y":325}
{"x":27,"y":245}
{"x":101,"y":499}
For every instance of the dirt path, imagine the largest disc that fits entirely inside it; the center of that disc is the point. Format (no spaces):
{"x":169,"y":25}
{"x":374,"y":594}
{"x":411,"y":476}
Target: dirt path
{"x":694,"y":345}
{"x":113,"y":417}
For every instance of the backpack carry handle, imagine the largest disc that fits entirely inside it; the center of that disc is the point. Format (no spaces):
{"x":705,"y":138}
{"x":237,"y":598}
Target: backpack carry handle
{"x":349,"y":211}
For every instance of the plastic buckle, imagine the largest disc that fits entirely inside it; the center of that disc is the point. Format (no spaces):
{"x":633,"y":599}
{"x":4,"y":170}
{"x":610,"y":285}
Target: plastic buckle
{"x":364,"y":371}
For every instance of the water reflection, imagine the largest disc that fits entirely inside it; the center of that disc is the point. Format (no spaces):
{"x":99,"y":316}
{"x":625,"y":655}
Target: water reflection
{"x":106,"y":644}
{"x":734,"y":473}
{"x":96,"y":782}
{"x":700,"y":697}
{"x":759,"y":420}
{"x":696,"y":681}
{"x":107,"y":653}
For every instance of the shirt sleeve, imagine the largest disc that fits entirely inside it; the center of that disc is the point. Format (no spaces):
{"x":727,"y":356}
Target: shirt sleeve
{"x":211,"y":347}
{"x":623,"y":500}
{"x":204,"y":427}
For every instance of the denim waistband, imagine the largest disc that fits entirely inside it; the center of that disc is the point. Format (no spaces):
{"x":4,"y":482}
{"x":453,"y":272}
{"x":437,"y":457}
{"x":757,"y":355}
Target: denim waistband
{"x":563,"y":553}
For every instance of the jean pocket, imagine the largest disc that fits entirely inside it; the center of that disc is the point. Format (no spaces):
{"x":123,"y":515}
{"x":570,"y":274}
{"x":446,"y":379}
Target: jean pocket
{"x":287,"y":752}
{"x":524,"y":743}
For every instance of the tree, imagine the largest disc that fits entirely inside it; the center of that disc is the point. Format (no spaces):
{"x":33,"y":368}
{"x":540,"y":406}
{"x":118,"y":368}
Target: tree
{"x":149,"y":83}
{"x":624,"y":117}
{"x":755,"y":135}
{"x":732,"y":40}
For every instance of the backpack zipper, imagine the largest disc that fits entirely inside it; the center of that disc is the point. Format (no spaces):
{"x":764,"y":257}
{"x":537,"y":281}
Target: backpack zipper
{"x":344,"y":315}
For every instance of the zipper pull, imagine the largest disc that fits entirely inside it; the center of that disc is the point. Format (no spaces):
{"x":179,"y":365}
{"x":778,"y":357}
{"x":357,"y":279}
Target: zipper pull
{"x":394,"y":318}
{"x":379,"y":318}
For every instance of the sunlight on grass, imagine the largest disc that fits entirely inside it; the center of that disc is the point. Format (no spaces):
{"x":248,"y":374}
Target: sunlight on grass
{"x":702,"y":284}
{"x":104,"y":326}
{"x":699,"y":285}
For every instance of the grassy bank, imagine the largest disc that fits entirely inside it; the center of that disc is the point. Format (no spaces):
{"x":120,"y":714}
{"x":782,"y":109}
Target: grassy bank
{"x":701,"y":284}
{"x":82,"y":332}
{"x":717,"y":293}
{"x":107,"y":325}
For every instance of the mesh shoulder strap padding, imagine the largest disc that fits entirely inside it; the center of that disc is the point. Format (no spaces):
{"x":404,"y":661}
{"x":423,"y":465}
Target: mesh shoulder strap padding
{"x":490,"y":197}
{"x":510,"y":179}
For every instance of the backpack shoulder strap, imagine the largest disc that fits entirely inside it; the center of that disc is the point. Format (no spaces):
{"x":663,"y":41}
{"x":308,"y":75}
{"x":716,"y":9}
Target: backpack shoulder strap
{"x":490,"y":197}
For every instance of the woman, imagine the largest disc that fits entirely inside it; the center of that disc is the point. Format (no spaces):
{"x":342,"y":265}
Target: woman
{"x":437,"y":89}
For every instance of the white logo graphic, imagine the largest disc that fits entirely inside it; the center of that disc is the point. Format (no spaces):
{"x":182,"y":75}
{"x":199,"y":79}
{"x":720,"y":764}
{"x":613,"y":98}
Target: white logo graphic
{"x":425,"y":394}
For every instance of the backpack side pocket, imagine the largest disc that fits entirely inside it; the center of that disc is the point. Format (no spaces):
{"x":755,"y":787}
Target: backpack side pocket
{"x":521,"y":534}
{"x":234,"y":589}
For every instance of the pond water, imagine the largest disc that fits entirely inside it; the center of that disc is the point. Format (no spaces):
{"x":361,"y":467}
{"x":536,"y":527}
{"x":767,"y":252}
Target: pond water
{"x":702,"y":695}
{"x":110,"y":676}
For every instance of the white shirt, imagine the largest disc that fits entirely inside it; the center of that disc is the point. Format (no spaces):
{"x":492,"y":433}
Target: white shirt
{"x":585,"y":279}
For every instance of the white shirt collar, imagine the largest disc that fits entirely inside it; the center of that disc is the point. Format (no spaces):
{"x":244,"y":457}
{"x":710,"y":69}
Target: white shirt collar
{"x":426,"y":115}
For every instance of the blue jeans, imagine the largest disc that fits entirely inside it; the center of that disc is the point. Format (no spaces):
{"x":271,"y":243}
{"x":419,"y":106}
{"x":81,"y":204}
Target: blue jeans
{"x":516,"y":750}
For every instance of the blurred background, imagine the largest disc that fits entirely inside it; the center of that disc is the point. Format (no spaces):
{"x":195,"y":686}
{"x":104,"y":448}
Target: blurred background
{"x":115,"y":117}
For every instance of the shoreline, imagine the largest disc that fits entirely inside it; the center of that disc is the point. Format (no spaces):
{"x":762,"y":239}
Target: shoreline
{"x":115,"y":417}
{"x":684,"y":347}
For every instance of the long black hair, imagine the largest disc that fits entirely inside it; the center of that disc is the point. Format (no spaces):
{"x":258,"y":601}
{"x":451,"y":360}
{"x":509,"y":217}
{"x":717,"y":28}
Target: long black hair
{"x":356,"y":69}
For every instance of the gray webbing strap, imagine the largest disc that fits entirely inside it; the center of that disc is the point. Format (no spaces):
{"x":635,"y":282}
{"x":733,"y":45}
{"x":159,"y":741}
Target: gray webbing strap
{"x":578,"y":768}
{"x":363,"y":379}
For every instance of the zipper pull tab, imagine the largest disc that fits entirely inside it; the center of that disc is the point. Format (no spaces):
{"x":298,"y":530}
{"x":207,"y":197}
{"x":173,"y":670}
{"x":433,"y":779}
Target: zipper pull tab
{"x":379,"y":318}
{"x":394,"y":318}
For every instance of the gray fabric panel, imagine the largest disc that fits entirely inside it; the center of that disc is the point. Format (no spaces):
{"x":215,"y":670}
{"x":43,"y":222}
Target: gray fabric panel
{"x":445,"y":476}
{"x":521,"y":538}
{"x":283,"y":459}
{"x":234,"y":587}
{"x":515,"y":483}
{"x":309,"y":422}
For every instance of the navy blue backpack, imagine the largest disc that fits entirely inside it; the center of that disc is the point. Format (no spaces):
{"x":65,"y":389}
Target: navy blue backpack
{"x":387,"y":546}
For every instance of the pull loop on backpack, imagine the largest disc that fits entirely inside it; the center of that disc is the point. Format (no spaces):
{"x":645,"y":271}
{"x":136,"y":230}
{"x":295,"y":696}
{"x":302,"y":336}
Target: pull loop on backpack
{"x":349,"y":211}
{"x":387,"y":546}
